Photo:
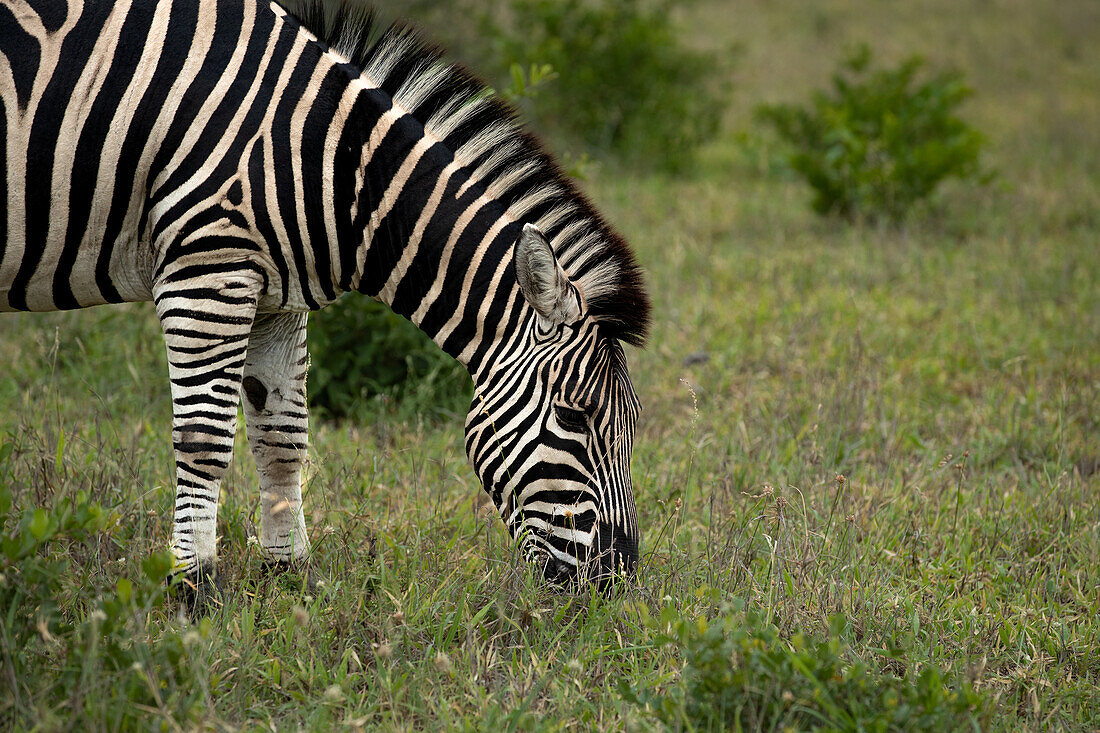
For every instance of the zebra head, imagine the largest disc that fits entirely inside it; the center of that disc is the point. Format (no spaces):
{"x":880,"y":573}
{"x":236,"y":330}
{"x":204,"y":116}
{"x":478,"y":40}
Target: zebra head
{"x":551,"y":428}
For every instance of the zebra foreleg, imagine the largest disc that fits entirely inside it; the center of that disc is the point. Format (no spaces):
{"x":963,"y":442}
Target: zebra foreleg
{"x":274,"y":389}
{"x":206,"y":323}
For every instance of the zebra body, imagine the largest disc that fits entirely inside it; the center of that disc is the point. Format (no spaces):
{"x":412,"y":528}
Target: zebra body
{"x":225,"y":162}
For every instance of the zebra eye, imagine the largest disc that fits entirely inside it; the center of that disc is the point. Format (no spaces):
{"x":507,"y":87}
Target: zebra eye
{"x":571,"y":419}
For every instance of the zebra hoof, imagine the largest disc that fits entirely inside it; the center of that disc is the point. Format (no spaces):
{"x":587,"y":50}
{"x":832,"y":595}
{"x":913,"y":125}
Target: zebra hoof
{"x":200,"y":591}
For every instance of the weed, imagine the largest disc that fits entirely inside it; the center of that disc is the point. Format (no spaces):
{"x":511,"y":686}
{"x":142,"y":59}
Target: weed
{"x":741,"y":674}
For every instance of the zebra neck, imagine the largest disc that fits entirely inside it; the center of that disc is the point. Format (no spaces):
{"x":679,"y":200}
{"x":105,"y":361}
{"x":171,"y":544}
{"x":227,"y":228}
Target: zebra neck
{"x":435,"y":247}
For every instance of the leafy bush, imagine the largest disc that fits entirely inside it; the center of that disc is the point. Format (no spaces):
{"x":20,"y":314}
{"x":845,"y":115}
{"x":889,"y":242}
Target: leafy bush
{"x":94,"y":659}
{"x":877,"y":144}
{"x":740,"y":674}
{"x":625,"y":83}
{"x":363,"y":355}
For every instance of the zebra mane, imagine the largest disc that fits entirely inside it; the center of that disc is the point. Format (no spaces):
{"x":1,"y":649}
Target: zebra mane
{"x":483,"y":132}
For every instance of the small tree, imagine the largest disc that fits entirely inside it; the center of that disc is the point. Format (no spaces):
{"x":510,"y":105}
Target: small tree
{"x":877,"y":144}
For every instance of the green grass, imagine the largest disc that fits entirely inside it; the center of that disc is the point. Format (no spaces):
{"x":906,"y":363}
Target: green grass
{"x":948,"y":369}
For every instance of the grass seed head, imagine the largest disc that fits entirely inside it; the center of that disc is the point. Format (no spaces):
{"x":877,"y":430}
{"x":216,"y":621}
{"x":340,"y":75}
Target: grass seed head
{"x":443,"y":663}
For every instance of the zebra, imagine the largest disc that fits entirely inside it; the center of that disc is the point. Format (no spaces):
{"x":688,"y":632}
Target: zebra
{"x":241,"y":165}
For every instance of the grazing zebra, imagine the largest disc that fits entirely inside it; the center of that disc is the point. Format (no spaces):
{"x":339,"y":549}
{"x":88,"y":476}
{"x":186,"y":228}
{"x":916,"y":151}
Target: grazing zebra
{"x":240,"y":166}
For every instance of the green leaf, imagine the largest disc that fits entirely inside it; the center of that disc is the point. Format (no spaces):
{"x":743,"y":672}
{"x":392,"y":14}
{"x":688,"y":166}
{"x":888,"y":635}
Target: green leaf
{"x":39,"y":524}
{"x":157,"y":566}
{"x":518,"y":84}
{"x":125,"y":590}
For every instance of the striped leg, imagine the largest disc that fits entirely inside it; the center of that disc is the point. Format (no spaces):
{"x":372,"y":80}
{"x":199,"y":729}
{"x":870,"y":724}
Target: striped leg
{"x":206,"y":322}
{"x":274,"y":389}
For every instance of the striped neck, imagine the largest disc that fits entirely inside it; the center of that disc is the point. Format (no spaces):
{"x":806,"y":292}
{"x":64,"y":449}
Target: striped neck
{"x":432,"y":244}
{"x":430,"y":179}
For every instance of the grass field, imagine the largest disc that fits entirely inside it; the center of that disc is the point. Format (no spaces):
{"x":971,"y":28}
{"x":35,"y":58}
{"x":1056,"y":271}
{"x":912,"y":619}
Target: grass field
{"x":898,"y":427}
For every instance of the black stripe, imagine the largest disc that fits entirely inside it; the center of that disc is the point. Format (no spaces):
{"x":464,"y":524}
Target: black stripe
{"x":286,"y":193}
{"x":204,"y":217}
{"x":257,"y":182}
{"x":204,"y":400}
{"x":214,"y":430}
{"x":198,"y":446}
{"x":227,"y":107}
{"x":318,"y":121}
{"x":3,"y":183}
{"x":90,"y":144}
{"x":182,"y":505}
{"x":75,"y":53}
{"x":23,"y":52}
{"x":51,"y":12}
{"x":225,"y":373}
{"x":234,"y":267}
{"x":200,"y":413}
{"x":207,"y":361}
{"x":208,"y":294}
{"x":368,"y":109}
{"x":426,"y":262}
{"x":177,"y":46}
{"x":205,"y":316}
{"x":227,"y":26}
{"x":213,"y":339}
{"x":482,"y":351}
{"x":219,"y":244}
{"x":467,"y":326}
{"x":383,"y":253}
{"x":286,"y":429}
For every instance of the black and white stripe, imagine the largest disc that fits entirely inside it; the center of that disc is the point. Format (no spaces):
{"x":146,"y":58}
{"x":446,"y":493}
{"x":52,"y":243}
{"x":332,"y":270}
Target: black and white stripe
{"x":239,"y":168}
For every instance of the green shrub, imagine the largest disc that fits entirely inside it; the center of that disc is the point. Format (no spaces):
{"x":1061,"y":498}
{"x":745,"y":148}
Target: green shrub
{"x":878,"y":144}
{"x":89,"y":663}
{"x":740,"y":674}
{"x":364,"y":356}
{"x":625,"y":82}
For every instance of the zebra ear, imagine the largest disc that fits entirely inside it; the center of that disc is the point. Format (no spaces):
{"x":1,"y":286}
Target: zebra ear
{"x":542,"y":280}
